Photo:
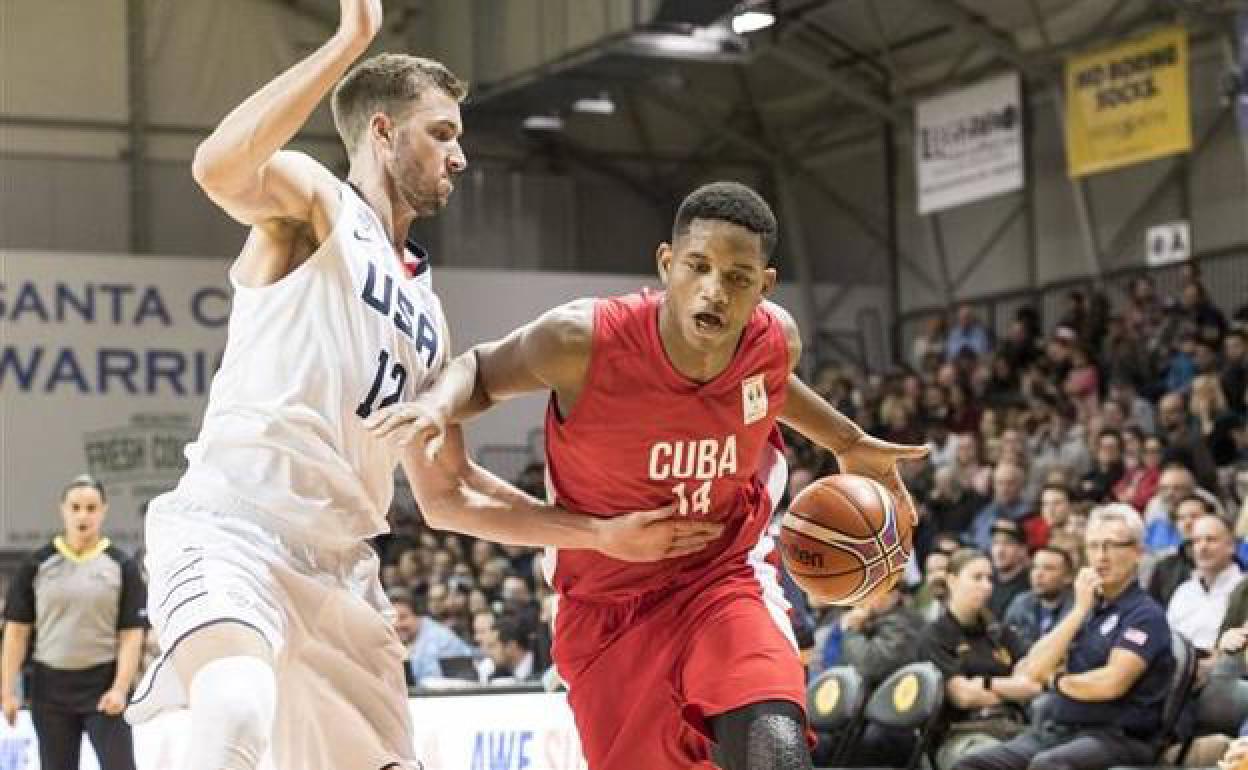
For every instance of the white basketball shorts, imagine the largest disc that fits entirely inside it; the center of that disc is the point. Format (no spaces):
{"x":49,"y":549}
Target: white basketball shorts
{"x":342,"y":700}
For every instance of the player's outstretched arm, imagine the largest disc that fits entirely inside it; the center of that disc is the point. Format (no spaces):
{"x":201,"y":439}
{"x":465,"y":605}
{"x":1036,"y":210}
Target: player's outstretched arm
{"x":239,"y":166}
{"x":456,"y":494}
{"x":856,"y":451}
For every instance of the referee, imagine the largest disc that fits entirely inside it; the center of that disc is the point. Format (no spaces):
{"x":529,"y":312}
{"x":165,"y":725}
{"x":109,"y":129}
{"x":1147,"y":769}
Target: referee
{"x":83,"y":599}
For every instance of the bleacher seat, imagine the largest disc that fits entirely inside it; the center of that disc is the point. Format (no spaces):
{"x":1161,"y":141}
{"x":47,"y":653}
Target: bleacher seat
{"x":836,"y":701}
{"x":913,"y":699}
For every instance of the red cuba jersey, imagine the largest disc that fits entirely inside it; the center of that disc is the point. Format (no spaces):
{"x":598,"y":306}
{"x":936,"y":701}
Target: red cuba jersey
{"x":642,"y":436}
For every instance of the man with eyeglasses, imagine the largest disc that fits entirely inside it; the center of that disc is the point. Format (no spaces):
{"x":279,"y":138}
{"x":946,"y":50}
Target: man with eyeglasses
{"x":1108,"y":664}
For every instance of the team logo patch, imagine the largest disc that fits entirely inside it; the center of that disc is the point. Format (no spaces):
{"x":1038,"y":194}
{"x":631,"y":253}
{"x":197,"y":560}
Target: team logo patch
{"x":1136,"y":636}
{"x":753,"y":398}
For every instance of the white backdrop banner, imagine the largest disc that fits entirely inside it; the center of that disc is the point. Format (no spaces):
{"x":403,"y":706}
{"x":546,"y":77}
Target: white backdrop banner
{"x":969,"y":144}
{"x":105,"y":365}
{"x":468,"y":732}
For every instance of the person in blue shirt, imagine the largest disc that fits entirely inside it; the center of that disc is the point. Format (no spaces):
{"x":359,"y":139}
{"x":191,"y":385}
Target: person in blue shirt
{"x":427,"y":640}
{"x":1034,"y":613}
{"x":1115,"y":645}
{"x":969,"y":334}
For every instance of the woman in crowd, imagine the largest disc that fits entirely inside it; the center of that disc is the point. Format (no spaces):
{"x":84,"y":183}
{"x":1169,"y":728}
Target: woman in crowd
{"x":82,"y":599}
{"x":984,"y":699}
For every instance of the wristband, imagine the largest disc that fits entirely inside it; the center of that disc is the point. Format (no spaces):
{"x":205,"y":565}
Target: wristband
{"x":988,"y":682}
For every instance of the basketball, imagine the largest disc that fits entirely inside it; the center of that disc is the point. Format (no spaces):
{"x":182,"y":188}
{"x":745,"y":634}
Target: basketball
{"x":843,"y":540}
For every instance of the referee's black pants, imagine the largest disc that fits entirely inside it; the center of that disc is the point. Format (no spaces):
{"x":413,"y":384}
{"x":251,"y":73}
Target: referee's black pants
{"x":60,"y":737}
{"x":63,"y":705}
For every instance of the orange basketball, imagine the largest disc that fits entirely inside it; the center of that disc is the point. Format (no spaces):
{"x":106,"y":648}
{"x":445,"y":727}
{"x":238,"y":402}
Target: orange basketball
{"x":844,"y":540}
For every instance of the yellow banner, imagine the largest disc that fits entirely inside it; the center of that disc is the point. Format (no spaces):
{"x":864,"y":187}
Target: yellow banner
{"x":1128,"y":103}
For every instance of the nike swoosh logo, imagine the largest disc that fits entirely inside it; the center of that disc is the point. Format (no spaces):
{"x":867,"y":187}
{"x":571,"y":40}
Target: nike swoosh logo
{"x":361,"y":237}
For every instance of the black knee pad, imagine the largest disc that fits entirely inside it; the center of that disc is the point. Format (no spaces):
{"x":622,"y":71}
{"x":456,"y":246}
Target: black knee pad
{"x":762,"y":736}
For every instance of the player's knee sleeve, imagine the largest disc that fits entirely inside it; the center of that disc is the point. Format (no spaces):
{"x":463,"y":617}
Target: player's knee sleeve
{"x":232,"y":702}
{"x":762,"y":736}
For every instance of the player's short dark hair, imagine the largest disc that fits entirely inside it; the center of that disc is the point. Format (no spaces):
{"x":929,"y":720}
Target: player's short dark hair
{"x":728,"y":202}
{"x":388,"y":83}
{"x":84,"y":480}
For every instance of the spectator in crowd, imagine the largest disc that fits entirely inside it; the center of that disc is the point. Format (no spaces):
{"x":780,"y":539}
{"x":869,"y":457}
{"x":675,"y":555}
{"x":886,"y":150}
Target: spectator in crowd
{"x":82,"y":601}
{"x":1007,"y":503}
{"x":1204,"y":314}
{"x":1183,"y":437}
{"x":931,"y":342}
{"x":1057,"y":440}
{"x":880,"y":636}
{"x":1116,"y":645}
{"x":1141,"y":468}
{"x":972,"y":474}
{"x":1054,"y":509}
{"x":1237,"y":498}
{"x":1175,"y":568}
{"x":1175,"y":483}
{"x":1199,"y":604}
{"x":976,"y":653}
{"x":951,"y":505}
{"x":929,"y":600}
{"x":1140,"y":411}
{"x":1035,"y":612}
{"x":1009,"y":564}
{"x":511,"y":649}
{"x":1097,"y":484}
{"x":430,"y":641}
{"x":1234,"y":369}
{"x":1083,"y":382}
{"x":1144,"y":311}
{"x":969,"y":334}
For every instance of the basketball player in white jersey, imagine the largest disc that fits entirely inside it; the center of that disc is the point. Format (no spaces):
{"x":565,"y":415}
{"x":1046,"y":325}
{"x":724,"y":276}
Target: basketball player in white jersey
{"x":264,"y":591}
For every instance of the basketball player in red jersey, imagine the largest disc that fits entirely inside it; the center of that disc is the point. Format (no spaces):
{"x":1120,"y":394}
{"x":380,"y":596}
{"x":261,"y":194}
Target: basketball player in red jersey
{"x":658,"y":398}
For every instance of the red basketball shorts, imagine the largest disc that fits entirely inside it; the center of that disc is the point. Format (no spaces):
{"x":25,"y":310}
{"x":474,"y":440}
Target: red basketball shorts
{"x":645,"y":676}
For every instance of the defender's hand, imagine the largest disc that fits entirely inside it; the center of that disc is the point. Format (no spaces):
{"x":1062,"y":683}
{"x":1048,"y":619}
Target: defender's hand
{"x":654,"y":535}
{"x":413,"y":421}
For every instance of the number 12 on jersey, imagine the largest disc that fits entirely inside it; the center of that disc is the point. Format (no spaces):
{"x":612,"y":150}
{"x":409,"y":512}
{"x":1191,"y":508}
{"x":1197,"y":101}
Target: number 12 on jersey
{"x":397,"y":373}
{"x":698,"y":503}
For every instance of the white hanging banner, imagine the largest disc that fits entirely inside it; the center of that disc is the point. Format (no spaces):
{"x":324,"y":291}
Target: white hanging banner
{"x":105,"y":366}
{"x":969,"y":144}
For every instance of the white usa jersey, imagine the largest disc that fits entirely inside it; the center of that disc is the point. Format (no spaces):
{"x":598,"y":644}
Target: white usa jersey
{"x":307,"y":359}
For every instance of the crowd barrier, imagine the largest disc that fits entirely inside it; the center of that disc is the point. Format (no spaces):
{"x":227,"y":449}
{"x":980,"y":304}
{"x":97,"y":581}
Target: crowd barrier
{"x":521,"y":731}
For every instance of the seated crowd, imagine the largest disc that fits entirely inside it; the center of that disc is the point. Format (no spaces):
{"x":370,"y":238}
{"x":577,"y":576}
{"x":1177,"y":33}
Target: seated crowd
{"x":1086,"y":497}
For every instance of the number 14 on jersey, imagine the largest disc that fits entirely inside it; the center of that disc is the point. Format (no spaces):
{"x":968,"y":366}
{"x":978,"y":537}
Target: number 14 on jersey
{"x":695,"y":501}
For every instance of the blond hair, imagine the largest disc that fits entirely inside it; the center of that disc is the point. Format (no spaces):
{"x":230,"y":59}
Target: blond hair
{"x":389,"y":83}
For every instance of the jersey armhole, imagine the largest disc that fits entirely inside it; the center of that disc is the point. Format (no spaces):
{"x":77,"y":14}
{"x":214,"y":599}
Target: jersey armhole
{"x":318,"y":255}
{"x":591,"y":372}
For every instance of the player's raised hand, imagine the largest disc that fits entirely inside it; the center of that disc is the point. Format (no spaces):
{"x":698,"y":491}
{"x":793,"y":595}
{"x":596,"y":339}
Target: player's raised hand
{"x":877,"y":459}
{"x":654,"y":535}
{"x":412,"y":421}
{"x":360,"y":18}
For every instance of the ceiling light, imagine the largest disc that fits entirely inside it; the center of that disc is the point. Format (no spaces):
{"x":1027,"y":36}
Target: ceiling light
{"x":545,"y":123}
{"x":751,"y":21}
{"x":595,"y":105}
